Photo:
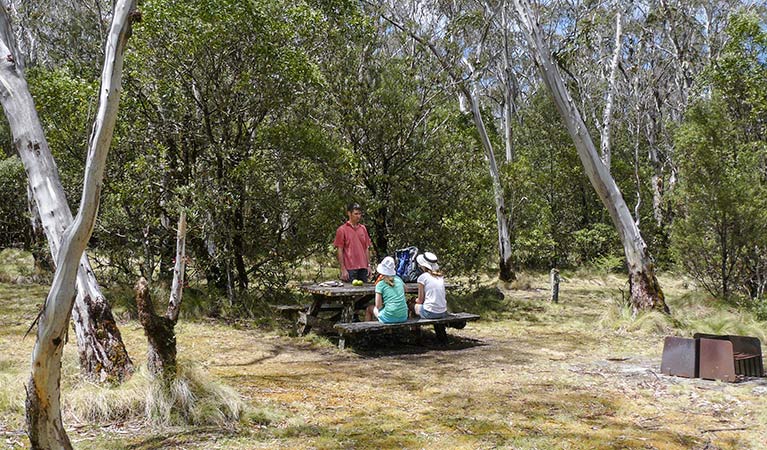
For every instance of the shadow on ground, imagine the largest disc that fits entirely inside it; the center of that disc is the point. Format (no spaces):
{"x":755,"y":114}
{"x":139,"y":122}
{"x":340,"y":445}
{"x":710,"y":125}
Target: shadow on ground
{"x":407,"y":343}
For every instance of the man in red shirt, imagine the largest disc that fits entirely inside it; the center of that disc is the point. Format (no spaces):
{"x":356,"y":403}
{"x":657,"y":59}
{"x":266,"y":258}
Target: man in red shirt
{"x":353,"y":243}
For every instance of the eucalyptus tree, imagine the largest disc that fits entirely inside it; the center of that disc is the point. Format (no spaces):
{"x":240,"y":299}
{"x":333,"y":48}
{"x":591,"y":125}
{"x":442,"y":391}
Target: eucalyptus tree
{"x":43,"y":407}
{"x":668,"y":45}
{"x":456,"y":36}
{"x":102,"y":353}
{"x":646,"y":292}
{"x":159,"y":330}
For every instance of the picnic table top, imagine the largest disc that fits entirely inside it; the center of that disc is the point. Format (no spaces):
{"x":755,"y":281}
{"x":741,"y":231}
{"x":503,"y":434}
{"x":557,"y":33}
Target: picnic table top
{"x":347,"y":290}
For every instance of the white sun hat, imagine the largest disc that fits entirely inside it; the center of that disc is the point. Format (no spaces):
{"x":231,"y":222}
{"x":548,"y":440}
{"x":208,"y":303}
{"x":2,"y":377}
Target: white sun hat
{"x":386,"y":267}
{"x":428,"y":260}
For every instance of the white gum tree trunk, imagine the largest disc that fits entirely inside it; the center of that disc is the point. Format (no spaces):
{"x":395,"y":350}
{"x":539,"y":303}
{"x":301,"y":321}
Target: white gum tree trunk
{"x":646,"y":292}
{"x":468,"y":93}
{"x":504,"y":239}
{"x":102,"y":353}
{"x":509,"y":87}
{"x":607,"y":116}
{"x":43,"y":404}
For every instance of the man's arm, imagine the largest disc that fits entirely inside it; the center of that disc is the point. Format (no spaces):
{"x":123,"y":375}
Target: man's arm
{"x":344,"y":273}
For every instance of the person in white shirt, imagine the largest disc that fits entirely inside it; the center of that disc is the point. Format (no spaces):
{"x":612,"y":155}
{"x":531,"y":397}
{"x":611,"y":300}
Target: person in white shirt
{"x":431,"y":302}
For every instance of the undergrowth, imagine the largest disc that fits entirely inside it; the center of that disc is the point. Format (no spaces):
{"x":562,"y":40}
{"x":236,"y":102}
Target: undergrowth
{"x":691,"y":313}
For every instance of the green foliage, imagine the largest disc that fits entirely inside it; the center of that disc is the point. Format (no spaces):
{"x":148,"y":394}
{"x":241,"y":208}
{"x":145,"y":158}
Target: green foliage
{"x":554,"y":200}
{"x":65,"y":102}
{"x":720,"y":236}
{"x":219,"y":123}
{"x":596,"y":242}
{"x":14,"y":216}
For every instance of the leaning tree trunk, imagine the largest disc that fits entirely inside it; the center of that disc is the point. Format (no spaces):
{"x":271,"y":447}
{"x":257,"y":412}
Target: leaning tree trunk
{"x":646,"y":292}
{"x":102,"y":353}
{"x":159,"y":330}
{"x":506,"y":272}
{"x":43,"y":407}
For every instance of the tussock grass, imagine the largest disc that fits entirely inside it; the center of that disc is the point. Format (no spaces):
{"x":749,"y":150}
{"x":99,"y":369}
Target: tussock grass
{"x":620,"y":317}
{"x":729,"y":322}
{"x":194,"y":398}
{"x":691,"y":312}
{"x":12,"y":392}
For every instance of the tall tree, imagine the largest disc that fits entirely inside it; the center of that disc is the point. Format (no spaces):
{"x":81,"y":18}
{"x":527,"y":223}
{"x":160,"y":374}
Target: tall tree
{"x":102,"y":353}
{"x":43,"y":407}
{"x":646,"y":292}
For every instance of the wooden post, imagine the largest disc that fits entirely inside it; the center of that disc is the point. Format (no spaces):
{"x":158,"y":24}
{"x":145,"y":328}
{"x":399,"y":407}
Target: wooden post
{"x":554,"y":279}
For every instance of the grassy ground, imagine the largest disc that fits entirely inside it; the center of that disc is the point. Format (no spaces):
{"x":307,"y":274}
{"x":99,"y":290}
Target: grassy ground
{"x":578,"y":375}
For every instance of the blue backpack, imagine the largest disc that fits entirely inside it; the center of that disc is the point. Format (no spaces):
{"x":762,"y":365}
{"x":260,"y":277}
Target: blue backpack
{"x":407,"y":268}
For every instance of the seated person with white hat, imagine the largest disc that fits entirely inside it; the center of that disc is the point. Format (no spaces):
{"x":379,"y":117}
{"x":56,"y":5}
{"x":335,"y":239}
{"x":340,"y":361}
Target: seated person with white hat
{"x":431,"y":302}
{"x":390,"y":303}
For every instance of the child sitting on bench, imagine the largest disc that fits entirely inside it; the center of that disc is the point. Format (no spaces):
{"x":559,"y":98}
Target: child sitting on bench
{"x":431,"y":302}
{"x":390,"y":304}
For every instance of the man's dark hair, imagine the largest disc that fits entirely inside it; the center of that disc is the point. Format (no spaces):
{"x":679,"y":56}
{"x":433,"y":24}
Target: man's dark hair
{"x":353,"y":206}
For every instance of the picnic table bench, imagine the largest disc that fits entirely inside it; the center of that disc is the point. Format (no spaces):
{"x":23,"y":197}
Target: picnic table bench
{"x":354,"y":298}
{"x":457,"y":320}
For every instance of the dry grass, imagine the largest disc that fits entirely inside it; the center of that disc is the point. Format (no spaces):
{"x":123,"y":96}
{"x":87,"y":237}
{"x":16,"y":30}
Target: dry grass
{"x":581,"y":374}
{"x":194,"y":398}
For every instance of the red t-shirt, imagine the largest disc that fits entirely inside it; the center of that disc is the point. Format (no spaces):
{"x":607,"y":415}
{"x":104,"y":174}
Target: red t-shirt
{"x":355,"y":243}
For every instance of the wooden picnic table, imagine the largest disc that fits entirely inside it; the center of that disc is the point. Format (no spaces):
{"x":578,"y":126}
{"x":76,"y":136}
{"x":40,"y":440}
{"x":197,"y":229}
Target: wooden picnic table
{"x":352,"y":298}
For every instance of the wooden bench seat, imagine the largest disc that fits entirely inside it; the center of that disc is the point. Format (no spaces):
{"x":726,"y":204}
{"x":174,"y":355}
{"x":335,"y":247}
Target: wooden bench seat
{"x":457,"y":320}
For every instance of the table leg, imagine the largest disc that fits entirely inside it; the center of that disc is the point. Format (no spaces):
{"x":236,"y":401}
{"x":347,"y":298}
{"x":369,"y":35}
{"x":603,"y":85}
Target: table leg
{"x":314,"y":309}
{"x":441,"y":333}
{"x":347,"y":315}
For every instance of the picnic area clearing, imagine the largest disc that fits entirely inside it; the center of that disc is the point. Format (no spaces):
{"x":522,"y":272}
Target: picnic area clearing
{"x":579,"y":374}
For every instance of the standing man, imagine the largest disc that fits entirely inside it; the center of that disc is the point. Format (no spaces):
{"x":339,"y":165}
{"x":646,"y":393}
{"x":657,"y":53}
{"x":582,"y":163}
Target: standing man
{"x":353,"y":244}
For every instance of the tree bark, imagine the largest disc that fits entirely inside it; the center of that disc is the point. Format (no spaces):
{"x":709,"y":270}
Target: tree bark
{"x":607,"y":117}
{"x":43,"y":408}
{"x":646,"y":293}
{"x":510,"y":90}
{"x":102,"y":353}
{"x":159,"y":330}
{"x":160,"y":334}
